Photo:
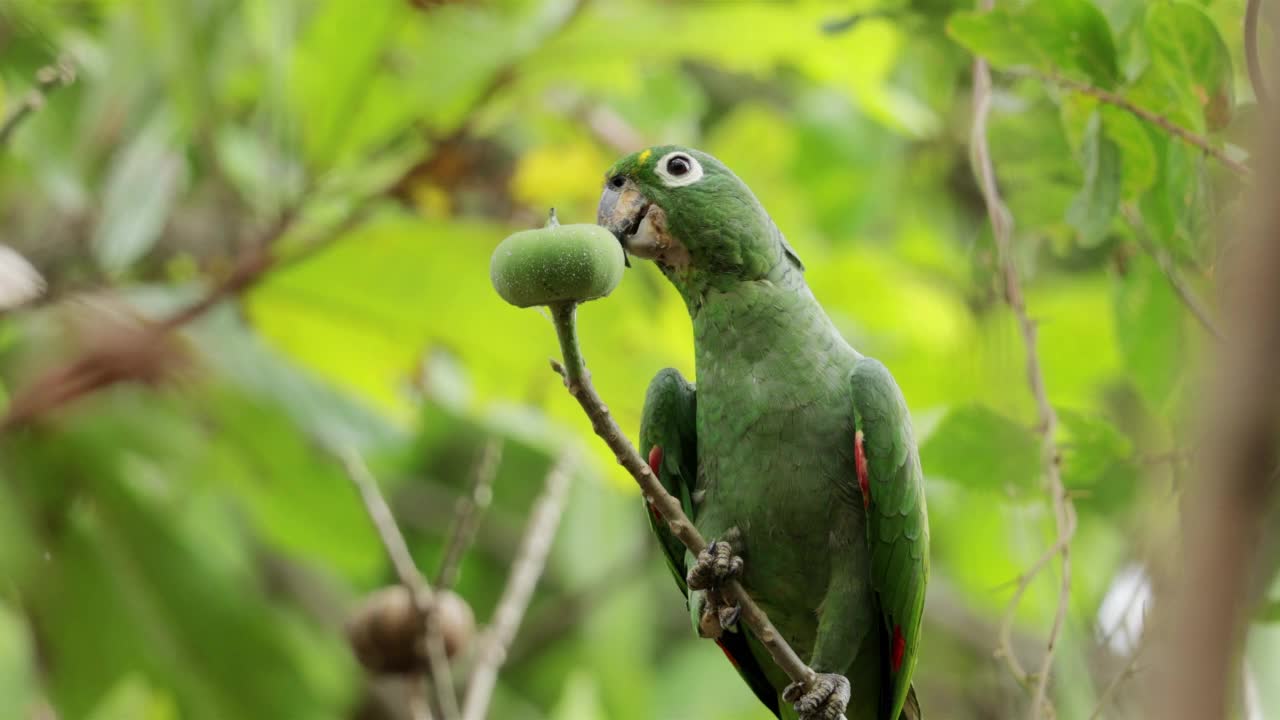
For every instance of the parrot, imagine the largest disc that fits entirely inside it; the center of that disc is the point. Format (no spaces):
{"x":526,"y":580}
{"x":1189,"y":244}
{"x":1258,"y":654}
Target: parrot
{"x":793,"y":453}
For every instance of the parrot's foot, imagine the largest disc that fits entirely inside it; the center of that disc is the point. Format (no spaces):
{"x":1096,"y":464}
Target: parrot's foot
{"x":717,"y":563}
{"x":824,"y":699}
{"x":715,"y":617}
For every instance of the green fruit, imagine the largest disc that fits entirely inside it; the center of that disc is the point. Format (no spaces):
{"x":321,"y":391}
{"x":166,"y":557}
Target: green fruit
{"x":557,"y":263}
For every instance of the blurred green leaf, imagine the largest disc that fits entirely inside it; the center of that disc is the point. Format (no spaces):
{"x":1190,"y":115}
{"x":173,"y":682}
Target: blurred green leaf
{"x":1091,"y":211}
{"x":1269,"y":612}
{"x":1067,"y":36}
{"x":979,"y":448}
{"x":134,"y":699}
{"x":17,"y":664}
{"x":146,"y":177}
{"x":1149,"y":330}
{"x":1193,"y":61}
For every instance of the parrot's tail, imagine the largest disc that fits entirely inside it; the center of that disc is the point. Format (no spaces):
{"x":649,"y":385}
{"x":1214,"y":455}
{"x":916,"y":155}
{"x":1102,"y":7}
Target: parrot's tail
{"x":911,"y":709}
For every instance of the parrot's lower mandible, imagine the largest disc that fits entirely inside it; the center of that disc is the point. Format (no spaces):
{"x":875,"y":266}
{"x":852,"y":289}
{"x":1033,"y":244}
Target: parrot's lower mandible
{"x":794,"y":452}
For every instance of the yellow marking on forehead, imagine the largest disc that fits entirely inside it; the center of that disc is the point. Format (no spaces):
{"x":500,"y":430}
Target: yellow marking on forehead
{"x":644,"y":156}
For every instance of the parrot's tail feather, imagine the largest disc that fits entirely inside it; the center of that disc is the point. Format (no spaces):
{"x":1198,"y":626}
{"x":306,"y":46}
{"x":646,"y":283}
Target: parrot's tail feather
{"x":911,"y":710}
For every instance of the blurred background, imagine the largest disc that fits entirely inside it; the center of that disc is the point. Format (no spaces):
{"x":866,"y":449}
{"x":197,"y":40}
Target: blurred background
{"x":263,"y":228}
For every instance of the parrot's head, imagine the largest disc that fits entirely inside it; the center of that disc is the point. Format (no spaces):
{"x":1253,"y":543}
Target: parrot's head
{"x":689,"y":213}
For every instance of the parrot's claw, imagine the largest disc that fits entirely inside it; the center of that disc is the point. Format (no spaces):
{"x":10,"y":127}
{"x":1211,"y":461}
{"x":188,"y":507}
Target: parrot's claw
{"x":728,"y":615}
{"x":717,"y":563}
{"x":823,"y":699}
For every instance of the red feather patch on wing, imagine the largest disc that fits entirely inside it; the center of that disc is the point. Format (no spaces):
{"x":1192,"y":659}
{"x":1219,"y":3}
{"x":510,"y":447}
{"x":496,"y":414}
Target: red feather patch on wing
{"x":899,"y":648}
{"x":727,"y":654}
{"x":655,"y":462}
{"x":860,"y":464}
{"x":655,"y":458}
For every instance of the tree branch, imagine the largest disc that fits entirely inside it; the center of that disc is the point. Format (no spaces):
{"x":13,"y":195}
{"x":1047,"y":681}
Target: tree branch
{"x":525,"y":572}
{"x":1064,"y":510}
{"x":1206,"y":609}
{"x":1187,"y":136}
{"x":48,"y":79}
{"x":1251,"y":54}
{"x":470,"y":509}
{"x":578,"y":381}
{"x":1170,"y":270}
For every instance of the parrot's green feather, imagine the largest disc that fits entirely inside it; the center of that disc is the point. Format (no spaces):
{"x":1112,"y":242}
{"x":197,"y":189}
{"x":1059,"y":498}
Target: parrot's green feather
{"x":769,"y":445}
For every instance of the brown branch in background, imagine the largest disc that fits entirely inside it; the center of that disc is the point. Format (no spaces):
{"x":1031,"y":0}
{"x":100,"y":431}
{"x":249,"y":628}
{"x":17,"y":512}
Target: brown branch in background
{"x":1252,"y":55}
{"x":48,"y":79}
{"x":578,"y":381}
{"x":525,"y":572}
{"x":142,"y":355}
{"x":1063,"y":508}
{"x":470,"y":509}
{"x":1206,"y":609}
{"x":411,"y":578}
{"x":1170,"y":270}
{"x":1193,"y":139}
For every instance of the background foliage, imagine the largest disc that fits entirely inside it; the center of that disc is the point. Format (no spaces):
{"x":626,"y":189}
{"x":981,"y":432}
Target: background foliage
{"x":185,"y":548}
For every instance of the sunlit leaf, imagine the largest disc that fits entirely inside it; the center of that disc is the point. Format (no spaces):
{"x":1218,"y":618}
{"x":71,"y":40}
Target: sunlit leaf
{"x":1068,"y":36}
{"x":1192,"y":59}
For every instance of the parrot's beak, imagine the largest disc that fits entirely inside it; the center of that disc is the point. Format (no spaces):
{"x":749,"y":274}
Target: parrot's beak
{"x":621,"y":212}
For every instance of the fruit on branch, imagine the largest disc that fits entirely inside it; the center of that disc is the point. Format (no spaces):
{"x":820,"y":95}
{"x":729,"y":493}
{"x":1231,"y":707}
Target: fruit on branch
{"x":557,"y":263}
{"x":388,"y":634}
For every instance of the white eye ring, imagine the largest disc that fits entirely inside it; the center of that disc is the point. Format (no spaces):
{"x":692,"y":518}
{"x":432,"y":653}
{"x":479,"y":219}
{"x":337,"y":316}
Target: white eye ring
{"x":691,"y":176}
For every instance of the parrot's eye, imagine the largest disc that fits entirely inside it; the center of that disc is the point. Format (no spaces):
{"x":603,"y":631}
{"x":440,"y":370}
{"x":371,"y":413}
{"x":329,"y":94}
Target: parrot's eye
{"x":678,"y":169}
{"x":617,"y":181}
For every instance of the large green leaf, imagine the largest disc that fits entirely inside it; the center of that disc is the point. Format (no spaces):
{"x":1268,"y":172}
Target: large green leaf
{"x":1192,"y":61}
{"x":1096,"y":203}
{"x":1053,"y":36}
{"x":979,"y":448}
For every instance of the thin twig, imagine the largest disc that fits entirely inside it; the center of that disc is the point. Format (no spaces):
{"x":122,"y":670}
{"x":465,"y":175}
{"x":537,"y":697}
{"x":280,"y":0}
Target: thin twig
{"x":385,"y":523}
{"x":470,"y":509}
{"x":48,"y":79}
{"x":578,"y":381}
{"x":1064,"y":509}
{"x":1187,"y":136}
{"x":1251,"y":54}
{"x":1170,"y":270}
{"x":560,"y":615}
{"x":528,"y":567}
{"x":1130,"y":669}
{"x":407,"y":571}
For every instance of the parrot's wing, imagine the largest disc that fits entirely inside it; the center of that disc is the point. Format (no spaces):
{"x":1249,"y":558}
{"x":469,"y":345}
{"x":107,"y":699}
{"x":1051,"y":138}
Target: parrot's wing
{"x":668,"y":438}
{"x":892,"y":485}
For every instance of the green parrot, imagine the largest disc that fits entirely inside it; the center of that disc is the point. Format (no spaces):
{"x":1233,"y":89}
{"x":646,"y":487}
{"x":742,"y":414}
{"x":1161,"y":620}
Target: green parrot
{"x":794,"y":452}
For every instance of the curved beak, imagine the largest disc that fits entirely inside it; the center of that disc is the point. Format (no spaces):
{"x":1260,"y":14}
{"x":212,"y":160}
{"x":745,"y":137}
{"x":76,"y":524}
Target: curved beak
{"x":621,"y":211}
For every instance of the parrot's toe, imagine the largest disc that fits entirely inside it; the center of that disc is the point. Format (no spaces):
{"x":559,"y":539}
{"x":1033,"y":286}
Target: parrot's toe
{"x":823,"y":699}
{"x":717,"y":563}
{"x":728,"y":616}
